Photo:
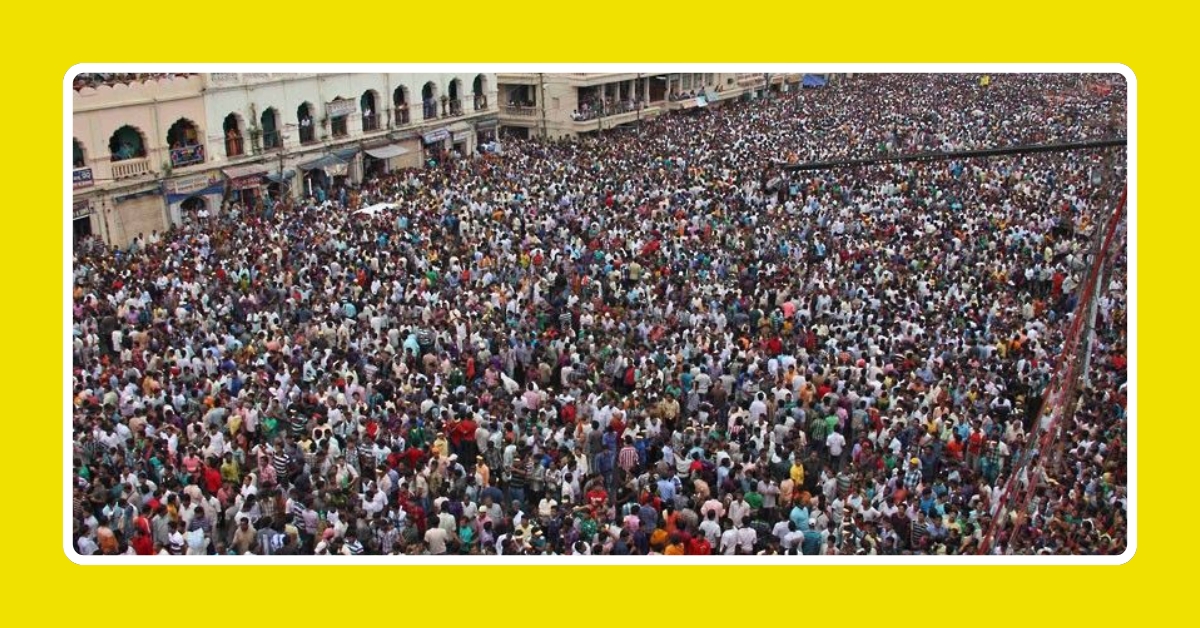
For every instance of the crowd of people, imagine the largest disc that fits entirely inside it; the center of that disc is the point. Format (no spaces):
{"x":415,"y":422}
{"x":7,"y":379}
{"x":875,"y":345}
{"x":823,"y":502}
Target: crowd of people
{"x":652,"y":341}
{"x":94,"y":80}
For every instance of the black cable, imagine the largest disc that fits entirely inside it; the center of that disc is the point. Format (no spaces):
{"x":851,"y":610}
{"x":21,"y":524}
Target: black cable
{"x":963,"y":154}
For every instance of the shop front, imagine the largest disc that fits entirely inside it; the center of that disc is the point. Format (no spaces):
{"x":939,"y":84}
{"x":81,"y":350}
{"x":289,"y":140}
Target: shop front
{"x":434,"y":145}
{"x":81,"y":219}
{"x":193,"y":197}
{"x":485,"y":132}
{"x":380,"y":160}
{"x":245,"y":185}
{"x":330,"y":173}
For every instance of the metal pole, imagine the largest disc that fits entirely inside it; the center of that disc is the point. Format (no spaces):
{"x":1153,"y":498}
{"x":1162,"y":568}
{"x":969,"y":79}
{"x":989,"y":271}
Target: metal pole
{"x":962,"y":154}
{"x":542,"y":99}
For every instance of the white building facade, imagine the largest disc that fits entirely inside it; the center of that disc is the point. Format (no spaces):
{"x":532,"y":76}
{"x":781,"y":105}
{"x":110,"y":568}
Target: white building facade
{"x":148,"y":154}
{"x":290,"y":134}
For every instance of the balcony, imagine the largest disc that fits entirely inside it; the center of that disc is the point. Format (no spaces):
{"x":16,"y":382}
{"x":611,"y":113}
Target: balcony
{"x":308,"y":135}
{"x":234,"y":146}
{"x":520,"y":112}
{"x":429,"y":109}
{"x":272,"y":140}
{"x":402,"y":117}
{"x":129,"y":168}
{"x":481,"y":103}
{"x":187,"y":156}
{"x":370,"y":123}
{"x":456,"y":108}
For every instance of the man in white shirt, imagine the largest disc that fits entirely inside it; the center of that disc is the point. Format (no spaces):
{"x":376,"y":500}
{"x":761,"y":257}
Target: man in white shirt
{"x":835,"y":444}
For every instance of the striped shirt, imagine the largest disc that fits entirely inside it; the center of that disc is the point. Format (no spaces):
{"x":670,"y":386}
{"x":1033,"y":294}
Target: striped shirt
{"x":628,"y":458}
{"x":280,"y":463}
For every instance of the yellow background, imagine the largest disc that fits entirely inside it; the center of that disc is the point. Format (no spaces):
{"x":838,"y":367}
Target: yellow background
{"x":41,"y":584}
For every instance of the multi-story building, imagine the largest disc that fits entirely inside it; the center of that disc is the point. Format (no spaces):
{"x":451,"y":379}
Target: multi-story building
{"x":281,"y":133}
{"x":150,"y":152}
{"x":131,"y":142}
{"x":565,"y":105}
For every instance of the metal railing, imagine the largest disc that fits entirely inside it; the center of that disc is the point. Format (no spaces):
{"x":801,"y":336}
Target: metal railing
{"x":234,"y":146}
{"x":429,"y":109}
{"x":456,"y":107}
{"x":527,"y":112}
{"x":308,"y":134}
{"x":370,"y":123}
{"x":481,"y":103}
{"x":272,"y":140}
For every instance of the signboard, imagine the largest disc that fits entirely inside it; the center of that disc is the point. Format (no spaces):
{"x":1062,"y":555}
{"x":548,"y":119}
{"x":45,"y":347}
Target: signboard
{"x":82,"y":208}
{"x":82,"y":178}
{"x":462,"y":136}
{"x":242,"y":183}
{"x":339,"y":108}
{"x":189,"y":185}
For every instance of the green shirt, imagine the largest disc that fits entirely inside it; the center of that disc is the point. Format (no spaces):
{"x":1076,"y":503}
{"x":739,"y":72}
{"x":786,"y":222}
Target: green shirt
{"x":755,"y":499}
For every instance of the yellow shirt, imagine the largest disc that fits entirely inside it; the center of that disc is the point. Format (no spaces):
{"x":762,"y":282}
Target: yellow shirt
{"x":797,"y":474}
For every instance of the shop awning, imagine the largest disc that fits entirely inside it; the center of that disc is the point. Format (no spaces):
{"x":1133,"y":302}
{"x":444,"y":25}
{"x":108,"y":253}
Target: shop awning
{"x":485,"y":125}
{"x":239,"y":172}
{"x":435,"y":136}
{"x":284,"y":178}
{"x":387,"y":151}
{"x":336,"y":158}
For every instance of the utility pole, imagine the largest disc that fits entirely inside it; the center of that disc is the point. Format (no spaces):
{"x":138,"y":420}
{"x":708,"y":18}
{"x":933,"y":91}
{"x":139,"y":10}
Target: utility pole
{"x":542,"y":98}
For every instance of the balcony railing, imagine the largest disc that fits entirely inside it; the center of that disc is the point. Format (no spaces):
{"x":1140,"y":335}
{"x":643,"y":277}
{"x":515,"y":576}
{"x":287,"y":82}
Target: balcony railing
{"x":481,"y":103}
{"x":272,"y":140}
{"x":402,"y":117}
{"x":527,"y":112}
{"x":308,"y":134}
{"x":370,"y":123}
{"x":187,"y":156}
{"x":127,"y":168}
{"x":429,"y":108}
{"x":234,"y":146}
{"x":456,"y":108}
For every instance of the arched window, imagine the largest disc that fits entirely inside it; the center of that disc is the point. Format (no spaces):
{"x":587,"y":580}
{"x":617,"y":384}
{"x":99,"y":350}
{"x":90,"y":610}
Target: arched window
{"x":234,"y":146}
{"x":308,"y":132}
{"x":370,"y":114}
{"x":339,"y":124}
{"x":400,"y":100}
{"x":183,"y":138}
{"x":455,"y":97}
{"x":429,"y":100}
{"x":271,"y":138}
{"x":127,"y":143}
{"x":77,"y":156}
{"x":479,"y":90}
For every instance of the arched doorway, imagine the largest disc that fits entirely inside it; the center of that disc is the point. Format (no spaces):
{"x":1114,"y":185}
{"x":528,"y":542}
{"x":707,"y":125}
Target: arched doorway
{"x":479,"y":90}
{"x":304,"y":117}
{"x":400,"y":100}
{"x":234,"y":146}
{"x":194,"y":208}
{"x":271,"y":138}
{"x":455,"y":97}
{"x":184,"y":139}
{"x":127,"y":143}
{"x":429,"y":100}
{"x":78,"y":160}
{"x":370,"y":114}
